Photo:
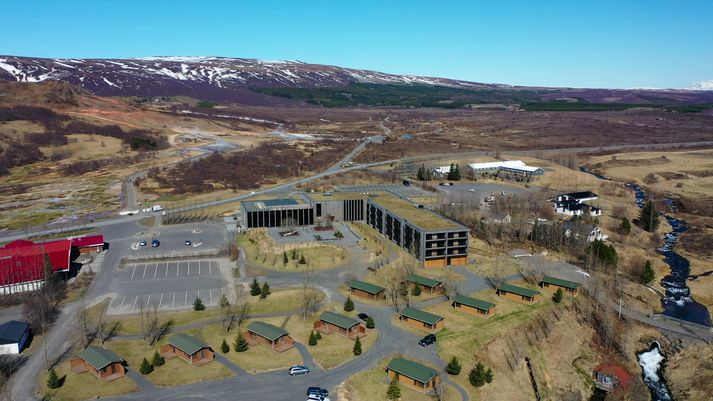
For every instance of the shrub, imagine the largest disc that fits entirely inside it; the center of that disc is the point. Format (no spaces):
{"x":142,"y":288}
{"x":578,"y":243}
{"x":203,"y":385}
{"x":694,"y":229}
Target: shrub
{"x":476,"y":377}
{"x":393,"y":393}
{"x":198,"y":304}
{"x":318,"y":335}
{"x":648,"y":275}
{"x":557,"y":297}
{"x":357,"y":347}
{"x":265,"y":290}
{"x":416,"y":290}
{"x":348,"y":305}
{"x":255,"y":288}
{"x":240,"y":345}
{"x":157,"y":359}
{"x":145,"y":367}
{"x":53,"y":380}
{"x":370,"y":323}
{"x":453,"y":367}
{"x":224,"y":348}
{"x":312,"y":339}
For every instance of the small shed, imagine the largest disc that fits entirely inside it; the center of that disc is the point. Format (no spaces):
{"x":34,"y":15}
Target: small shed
{"x":610,"y":377}
{"x":100,"y":362}
{"x":367,"y":290}
{"x":427,"y":284}
{"x":267,"y":334}
{"x":474,"y":306}
{"x":519,"y":294}
{"x":13,"y":337}
{"x":188,"y":348}
{"x":412,"y":374}
{"x":421,"y":319}
{"x":330,"y":322}
{"x":553,"y":283}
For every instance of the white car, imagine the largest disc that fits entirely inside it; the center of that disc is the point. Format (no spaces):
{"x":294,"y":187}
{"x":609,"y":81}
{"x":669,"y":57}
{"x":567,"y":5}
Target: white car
{"x":315,"y":397}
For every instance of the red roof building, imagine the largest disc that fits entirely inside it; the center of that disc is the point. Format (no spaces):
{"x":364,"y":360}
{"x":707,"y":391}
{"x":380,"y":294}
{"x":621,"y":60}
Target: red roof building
{"x":89,"y":243}
{"x":612,"y":377}
{"x":22,"y":263}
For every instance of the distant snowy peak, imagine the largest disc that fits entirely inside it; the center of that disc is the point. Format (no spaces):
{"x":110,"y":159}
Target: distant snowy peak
{"x":702,"y":86}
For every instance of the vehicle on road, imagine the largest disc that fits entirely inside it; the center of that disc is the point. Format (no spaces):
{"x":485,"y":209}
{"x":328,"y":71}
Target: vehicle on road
{"x":156,"y":208}
{"x":428,"y":340}
{"x":317,"y":397}
{"x":363,"y":316}
{"x":155,"y":243}
{"x":142,"y":243}
{"x":471,"y":190}
{"x":406,"y":182}
{"x":187,"y":242}
{"x":446,"y":184}
{"x":317,"y":391}
{"x":298,"y":370}
{"x":129,"y":212}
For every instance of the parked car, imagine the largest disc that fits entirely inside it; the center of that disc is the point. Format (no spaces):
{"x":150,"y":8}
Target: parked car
{"x":428,"y":340}
{"x":406,"y":182}
{"x":316,"y":397}
{"x":298,"y":370}
{"x":363,"y":316}
{"x":317,"y":391}
{"x":471,"y":190}
{"x":155,"y":243}
{"x":187,"y":242}
{"x":142,"y":243}
{"x":446,"y":184}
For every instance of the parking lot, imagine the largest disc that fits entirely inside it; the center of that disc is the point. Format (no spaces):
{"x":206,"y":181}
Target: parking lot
{"x":167,"y":285}
{"x":401,"y":190}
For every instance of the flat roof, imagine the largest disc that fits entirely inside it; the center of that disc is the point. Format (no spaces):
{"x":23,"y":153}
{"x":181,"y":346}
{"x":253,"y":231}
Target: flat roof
{"x":266,"y":330}
{"x":370,"y":288}
{"x":411,"y":369}
{"x":513,"y":289}
{"x":268,"y":204}
{"x":11,"y":332}
{"x":421,"y":316}
{"x":473,"y":302}
{"x":561,"y":282}
{"x":425,"y":281}
{"x":335,"y":196}
{"x":420,"y":217}
{"x":342,"y":321}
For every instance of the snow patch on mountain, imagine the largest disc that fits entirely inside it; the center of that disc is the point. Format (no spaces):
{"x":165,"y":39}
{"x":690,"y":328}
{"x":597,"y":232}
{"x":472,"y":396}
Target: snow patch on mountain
{"x":702,"y":86}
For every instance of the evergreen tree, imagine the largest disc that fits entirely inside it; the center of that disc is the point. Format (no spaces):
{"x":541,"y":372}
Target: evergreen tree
{"x":317,"y":335}
{"x":157,"y":359}
{"x":293,"y":254}
{"x":145,"y":367}
{"x":456,"y":174}
{"x":265,"y":290}
{"x":476,"y":377}
{"x":416,"y":290}
{"x":452,"y":172}
{"x":285,"y":259}
{"x":625,"y":226}
{"x":489,"y":376}
{"x":241,"y":344}
{"x":419,"y":173}
{"x":53,"y":380}
{"x":648,"y":275}
{"x":357,"y":347}
{"x":348,"y":305}
{"x":312,"y":339}
{"x":453,"y":367}
{"x":303,"y":261}
{"x":603,"y":253}
{"x":255,"y":288}
{"x":198,"y":304}
{"x":393,"y":393}
{"x":558,"y":296}
{"x":224,"y":348}
{"x":648,"y":217}
{"x":370,"y":323}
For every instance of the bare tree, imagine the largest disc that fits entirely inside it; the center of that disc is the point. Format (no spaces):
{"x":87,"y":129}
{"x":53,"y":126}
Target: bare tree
{"x":241,"y":312}
{"x":309,"y":303}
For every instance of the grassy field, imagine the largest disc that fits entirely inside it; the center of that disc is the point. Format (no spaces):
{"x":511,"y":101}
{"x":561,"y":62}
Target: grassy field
{"x":132,"y":324}
{"x":258,"y":358}
{"x":280,"y":300}
{"x":262,"y":251}
{"x":83,"y":386}
{"x":372,"y":384}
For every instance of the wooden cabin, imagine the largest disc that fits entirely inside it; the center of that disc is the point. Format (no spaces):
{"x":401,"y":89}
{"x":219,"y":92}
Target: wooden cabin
{"x":421,"y":320}
{"x":427,"y":284}
{"x":553,"y":283}
{"x":330,"y":322}
{"x":412,"y":374}
{"x":260,"y":333}
{"x":100,"y":362}
{"x":518,"y":294}
{"x":473,"y":306}
{"x":367,"y":290}
{"x":188,"y":348}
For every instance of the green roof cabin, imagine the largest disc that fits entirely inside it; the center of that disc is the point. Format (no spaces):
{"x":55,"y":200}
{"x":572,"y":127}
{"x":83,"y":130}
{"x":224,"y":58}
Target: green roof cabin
{"x":553,"y":283}
{"x":261,"y":333}
{"x":518,"y":294}
{"x":474,"y":306}
{"x":330,"y":322}
{"x":367,"y":290}
{"x":427,"y":284}
{"x":100,"y":362}
{"x":412,"y":374}
{"x":421,"y":320}
{"x":188,"y":348}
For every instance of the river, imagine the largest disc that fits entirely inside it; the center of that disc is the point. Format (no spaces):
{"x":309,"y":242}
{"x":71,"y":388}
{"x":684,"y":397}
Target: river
{"x":651,"y":362}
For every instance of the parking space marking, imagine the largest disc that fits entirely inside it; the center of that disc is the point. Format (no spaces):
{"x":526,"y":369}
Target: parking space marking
{"x":210,"y":267}
{"x":174,"y":300}
{"x":132,"y":272}
{"x":166,"y":269}
{"x":185,"y":302}
{"x":178,"y":268}
{"x":155,"y":271}
{"x":122,"y":303}
{"x":199,"y":267}
{"x":210,"y":297}
{"x":189,"y":268}
{"x":135,"y":301}
{"x":160,"y":301}
{"x":147,"y":301}
{"x":144,"y":275}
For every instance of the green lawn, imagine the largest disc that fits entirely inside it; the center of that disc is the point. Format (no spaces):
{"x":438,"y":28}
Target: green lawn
{"x":83,"y":386}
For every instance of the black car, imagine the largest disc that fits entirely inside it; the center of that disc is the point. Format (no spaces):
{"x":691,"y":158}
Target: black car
{"x":155,"y":243}
{"x":363,"y":316}
{"x":317,"y":391}
{"x":428,"y":340}
{"x":406,"y":182}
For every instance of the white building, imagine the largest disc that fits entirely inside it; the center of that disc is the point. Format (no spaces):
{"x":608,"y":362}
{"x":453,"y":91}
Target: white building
{"x":508,"y":166}
{"x":590,"y":232}
{"x":13,"y":337}
{"x":572,"y":204}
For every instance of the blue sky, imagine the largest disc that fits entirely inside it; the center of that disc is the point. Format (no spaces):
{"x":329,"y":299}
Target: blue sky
{"x":618,"y":44}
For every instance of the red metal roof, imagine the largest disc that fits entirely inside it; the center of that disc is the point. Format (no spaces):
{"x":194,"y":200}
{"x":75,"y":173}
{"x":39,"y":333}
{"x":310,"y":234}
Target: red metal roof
{"x":87,"y":241}
{"x":23,"y":260}
{"x":617,"y":371}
